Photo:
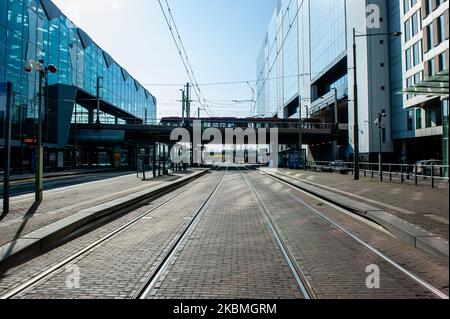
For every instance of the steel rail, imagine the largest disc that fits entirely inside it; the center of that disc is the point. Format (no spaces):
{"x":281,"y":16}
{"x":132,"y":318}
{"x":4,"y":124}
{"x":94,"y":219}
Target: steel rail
{"x":300,"y":277}
{"x":402,"y":269}
{"x":150,"y":284}
{"x":50,"y":272}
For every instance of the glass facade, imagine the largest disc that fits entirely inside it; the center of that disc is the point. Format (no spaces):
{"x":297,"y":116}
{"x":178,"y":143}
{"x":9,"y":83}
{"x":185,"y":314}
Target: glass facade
{"x":290,"y":50}
{"x":327,"y":33}
{"x":36,"y":30}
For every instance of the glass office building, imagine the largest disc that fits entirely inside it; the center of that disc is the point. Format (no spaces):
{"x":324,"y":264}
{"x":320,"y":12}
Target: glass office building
{"x":38,"y":30}
{"x":328,"y":33}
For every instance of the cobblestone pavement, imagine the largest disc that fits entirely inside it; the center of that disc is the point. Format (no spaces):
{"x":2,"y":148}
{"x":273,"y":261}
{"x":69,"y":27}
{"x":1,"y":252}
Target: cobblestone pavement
{"x":419,"y":205}
{"x":231,"y":252}
{"x":63,"y":202}
{"x":118,"y":267}
{"x":336,"y":263}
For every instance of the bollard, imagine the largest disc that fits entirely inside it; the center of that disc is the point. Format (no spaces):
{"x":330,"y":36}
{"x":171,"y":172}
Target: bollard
{"x":432,"y":175}
{"x":402,"y":178}
{"x":390,"y":173}
{"x":416,"y":179}
{"x":371,"y":168}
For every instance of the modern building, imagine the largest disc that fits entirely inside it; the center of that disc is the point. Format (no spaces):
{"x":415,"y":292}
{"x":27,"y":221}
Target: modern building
{"x":320,"y":82}
{"x":89,"y":87}
{"x":424,"y":53}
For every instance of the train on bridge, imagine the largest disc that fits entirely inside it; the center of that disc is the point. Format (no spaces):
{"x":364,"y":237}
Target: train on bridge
{"x":250,"y":122}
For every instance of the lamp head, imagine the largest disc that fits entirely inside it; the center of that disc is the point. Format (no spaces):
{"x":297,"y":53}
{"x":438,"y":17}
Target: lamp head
{"x":28,"y":66}
{"x":397,"y":34}
{"x":52,"y":68}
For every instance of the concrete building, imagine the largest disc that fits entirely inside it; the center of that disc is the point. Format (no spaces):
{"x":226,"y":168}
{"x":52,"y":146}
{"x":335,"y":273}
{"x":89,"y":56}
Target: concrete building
{"x":320,"y":34}
{"x":38,"y":30}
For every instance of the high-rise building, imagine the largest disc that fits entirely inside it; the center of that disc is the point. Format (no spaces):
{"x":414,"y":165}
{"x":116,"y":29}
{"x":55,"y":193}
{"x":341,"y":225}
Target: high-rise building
{"x":320,"y":34}
{"x":38,"y":30}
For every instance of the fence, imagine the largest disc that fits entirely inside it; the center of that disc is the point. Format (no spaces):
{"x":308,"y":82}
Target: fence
{"x":416,"y":174}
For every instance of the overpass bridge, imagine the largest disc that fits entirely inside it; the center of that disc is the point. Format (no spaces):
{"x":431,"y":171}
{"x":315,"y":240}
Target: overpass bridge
{"x":312,"y":132}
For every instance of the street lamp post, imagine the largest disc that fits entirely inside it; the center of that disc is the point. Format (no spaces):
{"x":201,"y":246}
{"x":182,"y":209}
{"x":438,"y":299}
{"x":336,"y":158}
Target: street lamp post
{"x":379,"y":124}
{"x":355,"y":96}
{"x":43,"y":74}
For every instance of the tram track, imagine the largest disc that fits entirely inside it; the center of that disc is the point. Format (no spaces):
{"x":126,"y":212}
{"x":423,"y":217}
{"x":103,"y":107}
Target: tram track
{"x":81,"y":253}
{"x":415,"y":278}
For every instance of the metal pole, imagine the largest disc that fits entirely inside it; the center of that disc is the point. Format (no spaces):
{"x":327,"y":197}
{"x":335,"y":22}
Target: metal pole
{"x":355,"y":111}
{"x":154,"y":160}
{"x":7,"y":160}
{"x":188,"y":101}
{"x":98,"y":100}
{"x":300,"y":140}
{"x":380,"y":155}
{"x":183,"y":106}
{"x":39,"y":147}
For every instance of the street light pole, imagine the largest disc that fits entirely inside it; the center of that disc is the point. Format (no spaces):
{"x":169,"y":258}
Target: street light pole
{"x":379,"y":124}
{"x":355,"y":111}
{"x":40,"y":149}
{"x":43,"y":74}
{"x":355,"y":96}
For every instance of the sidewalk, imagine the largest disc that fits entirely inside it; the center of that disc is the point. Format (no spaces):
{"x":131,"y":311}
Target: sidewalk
{"x":419,"y":205}
{"x":60,"y":203}
{"x":26,"y":177}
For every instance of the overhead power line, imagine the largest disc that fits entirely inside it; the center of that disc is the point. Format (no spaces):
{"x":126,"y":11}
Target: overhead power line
{"x":167,"y":12}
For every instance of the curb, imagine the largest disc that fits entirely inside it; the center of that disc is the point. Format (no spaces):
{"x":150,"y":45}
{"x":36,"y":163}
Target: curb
{"x":40,"y":240}
{"x":403,"y":230}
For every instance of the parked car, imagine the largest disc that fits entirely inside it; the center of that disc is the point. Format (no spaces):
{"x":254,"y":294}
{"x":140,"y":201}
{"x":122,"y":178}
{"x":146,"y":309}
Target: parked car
{"x":424,"y":167}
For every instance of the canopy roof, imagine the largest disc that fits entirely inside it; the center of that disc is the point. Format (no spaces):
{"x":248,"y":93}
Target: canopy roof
{"x":436,"y":85}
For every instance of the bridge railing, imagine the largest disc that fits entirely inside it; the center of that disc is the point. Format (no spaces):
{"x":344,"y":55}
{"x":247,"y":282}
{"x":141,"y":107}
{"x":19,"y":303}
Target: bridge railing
{"x":414,"y":174}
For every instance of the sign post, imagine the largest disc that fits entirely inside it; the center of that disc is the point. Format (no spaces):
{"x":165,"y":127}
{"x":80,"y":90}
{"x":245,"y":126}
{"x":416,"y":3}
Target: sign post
{"x":5,"y":108}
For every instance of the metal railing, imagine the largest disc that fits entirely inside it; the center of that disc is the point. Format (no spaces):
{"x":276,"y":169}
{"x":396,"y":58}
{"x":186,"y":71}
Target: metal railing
{"x":415,"y":174}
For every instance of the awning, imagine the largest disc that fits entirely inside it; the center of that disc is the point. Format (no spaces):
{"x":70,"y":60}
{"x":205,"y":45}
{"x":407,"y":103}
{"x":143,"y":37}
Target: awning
{"x":436,"y":85}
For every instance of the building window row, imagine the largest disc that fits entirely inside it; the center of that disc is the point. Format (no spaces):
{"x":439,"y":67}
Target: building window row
{"x":430,"y":6}
{"x":413,"y":26}
{"x":414,"y":55}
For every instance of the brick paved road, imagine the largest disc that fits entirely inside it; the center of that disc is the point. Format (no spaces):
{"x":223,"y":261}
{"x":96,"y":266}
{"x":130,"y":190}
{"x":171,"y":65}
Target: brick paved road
{"x":422,"y":206}
{"x":63,"y":202}
{"x":337,"y":263}
{"x":119,"y":267}
{"x":231,"y":252}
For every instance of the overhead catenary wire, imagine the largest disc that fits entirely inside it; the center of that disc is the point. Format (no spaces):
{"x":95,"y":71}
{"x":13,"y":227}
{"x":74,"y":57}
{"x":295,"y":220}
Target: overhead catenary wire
{"x":183,"y":54}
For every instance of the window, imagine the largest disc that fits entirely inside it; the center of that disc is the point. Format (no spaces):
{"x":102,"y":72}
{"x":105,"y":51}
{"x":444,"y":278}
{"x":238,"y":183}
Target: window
{"x":414,"y":24}
{"x":428,"y":6}
{"x":410,"y":120}
{"x":441,"y":29}
{"x":405,"y":6}
{"x":408,"y":59}
{"x":429,"y":117}
{"x":419,"y":119}
{"x":432,"y":67}
{"x":416,"y":54}
{"x":430,"y":44}
{"x":409,"y":83}
{"x":442,"y":62}
{"x":407,"y":30}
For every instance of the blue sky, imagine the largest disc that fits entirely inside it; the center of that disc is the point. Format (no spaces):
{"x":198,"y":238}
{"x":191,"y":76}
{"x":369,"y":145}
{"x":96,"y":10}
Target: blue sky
{"x":222,"y":39}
